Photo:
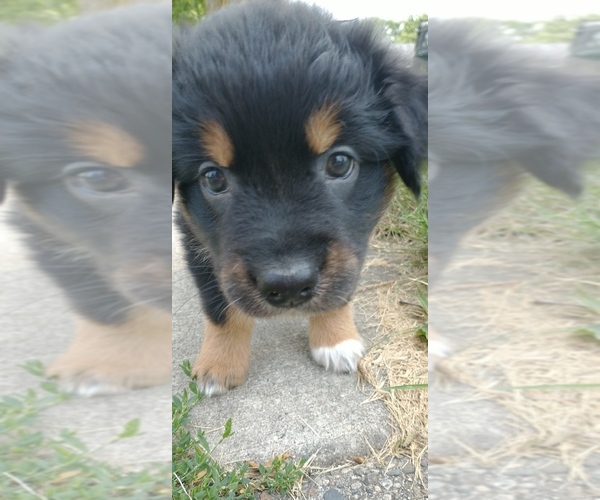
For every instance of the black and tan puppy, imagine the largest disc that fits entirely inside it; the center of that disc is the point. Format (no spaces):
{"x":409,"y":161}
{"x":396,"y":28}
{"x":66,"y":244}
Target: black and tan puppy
{"x":499,"y":110}
{"x":85,"y":139}
{"x":288,"y":131}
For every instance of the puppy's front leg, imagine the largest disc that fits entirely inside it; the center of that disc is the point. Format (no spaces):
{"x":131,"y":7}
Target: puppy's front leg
{"x":109,"y":358}
{"x":223,"y":360}
{"x":334,"y":341}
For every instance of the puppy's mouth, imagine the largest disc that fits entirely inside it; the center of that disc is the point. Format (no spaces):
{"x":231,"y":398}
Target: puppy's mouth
{"x":293,"y":284}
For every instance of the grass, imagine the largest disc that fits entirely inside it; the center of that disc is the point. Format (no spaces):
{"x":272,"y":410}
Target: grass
{"x":396,"y":365}
{"x":406,"y":220}
{"x":547,"y":215}
{"x":188,"y":11}
{"x":406,"y":223}
{"x":565,"y":230}
{"x":591,"y":306}
{"x":44,"y":11}
{"x":60,"y":467}
{"x":197,"y":476}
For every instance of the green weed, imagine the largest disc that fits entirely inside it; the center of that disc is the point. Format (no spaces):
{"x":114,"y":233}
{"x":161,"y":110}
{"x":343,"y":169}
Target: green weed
{"x":197,"y":476}
{"x":60,"y":467}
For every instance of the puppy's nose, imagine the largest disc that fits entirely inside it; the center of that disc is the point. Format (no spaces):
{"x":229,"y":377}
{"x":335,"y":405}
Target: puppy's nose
{"x":288,"y":287}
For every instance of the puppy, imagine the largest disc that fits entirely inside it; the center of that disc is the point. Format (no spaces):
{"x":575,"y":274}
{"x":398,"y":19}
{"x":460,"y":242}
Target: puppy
{"x":84,"y":144}
{"x":288,"y":131}
{"x":496,"y":111}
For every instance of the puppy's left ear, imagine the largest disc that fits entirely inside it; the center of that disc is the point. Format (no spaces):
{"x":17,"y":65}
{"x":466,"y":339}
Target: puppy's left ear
{"x":405,"y":93}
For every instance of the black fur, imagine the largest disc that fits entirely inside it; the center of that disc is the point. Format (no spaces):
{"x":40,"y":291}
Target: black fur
{"x":260,"y":70}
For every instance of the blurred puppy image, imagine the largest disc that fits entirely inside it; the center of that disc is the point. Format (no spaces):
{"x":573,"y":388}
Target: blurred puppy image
{"x":84,"y":146}
{"x":289,"y":129}
{"x":497,"y":111}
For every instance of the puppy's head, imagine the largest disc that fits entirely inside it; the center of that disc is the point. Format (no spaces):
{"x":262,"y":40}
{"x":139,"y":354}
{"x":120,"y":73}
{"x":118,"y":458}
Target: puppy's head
{"x":288,"y":130}
{"x":495,"y":101}
{"x":498,"y":109}
{"x":85,"y":143}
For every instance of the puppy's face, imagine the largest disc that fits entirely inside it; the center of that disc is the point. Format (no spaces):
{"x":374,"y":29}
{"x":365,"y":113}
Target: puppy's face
{"x":102,"y":194}
{"x":86,"y":154}
{"x":285,"y":143}
{"x":286,"y":221}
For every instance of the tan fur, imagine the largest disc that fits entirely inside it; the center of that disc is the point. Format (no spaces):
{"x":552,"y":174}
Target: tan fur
{"x":217,"y":143}
{"x":126,"y":356}
{"x":107,"y":144}
{"x":339,"y":260}
{"x":225,"y":352}
{"x":322,"y":128}
{"x":331,"y":328}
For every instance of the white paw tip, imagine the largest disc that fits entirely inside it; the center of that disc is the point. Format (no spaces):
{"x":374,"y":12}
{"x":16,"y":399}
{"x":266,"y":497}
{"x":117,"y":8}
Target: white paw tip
{"x":437,"y":350}
{"x":209,"y":387}
{"x":90,"y":388}
{"x":342,"y":357}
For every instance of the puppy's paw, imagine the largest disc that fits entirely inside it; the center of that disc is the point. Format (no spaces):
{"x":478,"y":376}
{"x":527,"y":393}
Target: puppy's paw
{"x":223,"y":360}
{"x":438,"y":349}
{"x":108,"y":359}
{"x":213,"y":380}
{"x":208,"y":386}
{"x":334,"y":340}
{"x":83,"y":376}
{"x":343,"y":357}
{"x":86,"y":381}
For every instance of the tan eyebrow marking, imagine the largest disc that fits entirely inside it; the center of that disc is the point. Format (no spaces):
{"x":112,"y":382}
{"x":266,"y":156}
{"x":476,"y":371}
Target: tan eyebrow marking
{"x":217,"y":143}
{"x":323,"y":128}
{"x":106,"y":143}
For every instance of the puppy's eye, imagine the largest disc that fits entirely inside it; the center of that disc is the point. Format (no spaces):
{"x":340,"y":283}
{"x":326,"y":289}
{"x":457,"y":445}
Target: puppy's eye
{"x":340,"y":165}
{"x":97,"y":179}
{"x":213,"y":179}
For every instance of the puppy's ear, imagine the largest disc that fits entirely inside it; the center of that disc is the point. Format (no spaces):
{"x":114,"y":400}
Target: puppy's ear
{"x":557,"y":127}
{"x":406,"y":95}
{"x":402,"y":94}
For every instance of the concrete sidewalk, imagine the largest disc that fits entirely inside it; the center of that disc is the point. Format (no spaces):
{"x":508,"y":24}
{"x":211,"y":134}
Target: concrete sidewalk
{"x":288,"y":404}
{"x":36,"y":324}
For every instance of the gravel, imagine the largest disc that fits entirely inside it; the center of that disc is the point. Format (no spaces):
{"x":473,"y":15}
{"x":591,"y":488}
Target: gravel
{"x":368,"y":481}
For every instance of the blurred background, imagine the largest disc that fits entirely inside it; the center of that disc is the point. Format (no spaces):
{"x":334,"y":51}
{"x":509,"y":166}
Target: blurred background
{"x":54,"y":444}
{"x":514,"y":263}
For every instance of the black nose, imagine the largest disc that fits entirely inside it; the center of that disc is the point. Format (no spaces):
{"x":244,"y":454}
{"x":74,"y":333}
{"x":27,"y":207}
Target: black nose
{"x":288,"y":287}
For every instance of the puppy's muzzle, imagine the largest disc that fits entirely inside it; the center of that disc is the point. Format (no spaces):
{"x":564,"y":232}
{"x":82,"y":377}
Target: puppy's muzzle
{"x":290,"y":286}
